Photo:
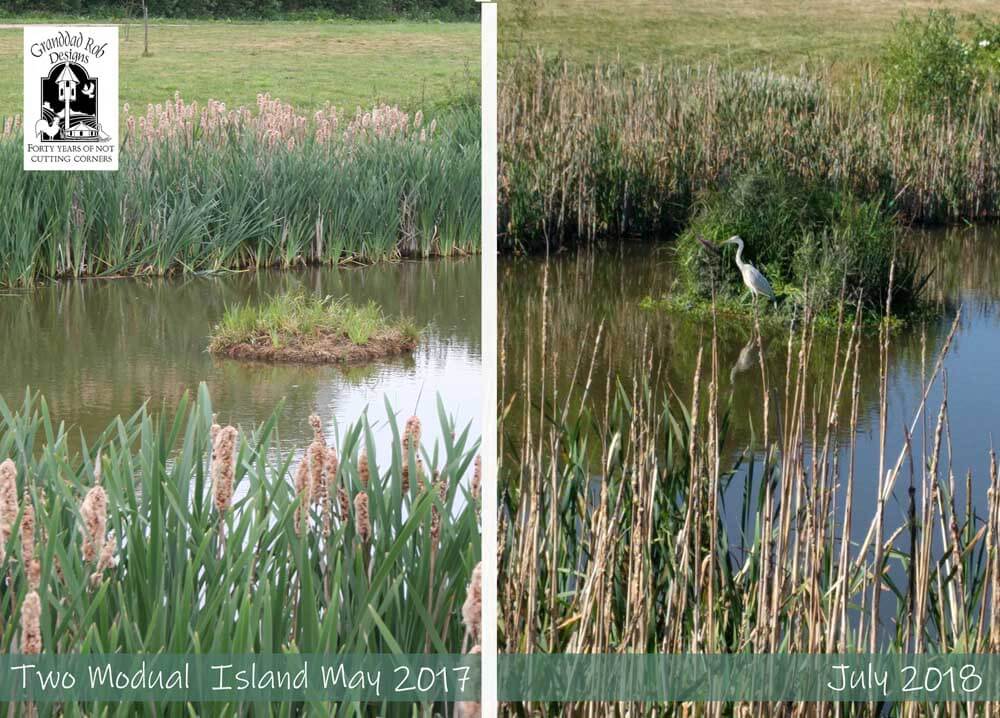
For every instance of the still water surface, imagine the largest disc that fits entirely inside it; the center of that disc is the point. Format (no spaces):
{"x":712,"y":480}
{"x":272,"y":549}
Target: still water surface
{"x":98,"y":349}
{"x":587,"y":288}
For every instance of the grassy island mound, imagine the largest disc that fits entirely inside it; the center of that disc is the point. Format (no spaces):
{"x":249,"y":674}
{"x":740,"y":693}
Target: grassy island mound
{"x":309,"y":329}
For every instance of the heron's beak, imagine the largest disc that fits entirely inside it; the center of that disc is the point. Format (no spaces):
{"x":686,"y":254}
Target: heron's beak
{"x":708,"y":245}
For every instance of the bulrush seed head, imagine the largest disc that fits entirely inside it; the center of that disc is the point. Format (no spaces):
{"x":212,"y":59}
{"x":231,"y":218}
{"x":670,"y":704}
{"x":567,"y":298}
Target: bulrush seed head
{"x":411,"y":440}
{"x":224,"y":467}
{"x":28,"y":531}
{"x":316,"y":454}
{"x":442,"y":490}
{"x":106,"y":560}
{"x":345,"y":504}
{"x":8,"y":502}
{"x":411,"y":435}
{"x":94,"y":511}
{"x":472,"y":609}
{"x":470,"y":709}
{"x":317,"y":427}
{"x":361,"y":516}
{"x":363,"y":471}
{"x":31,"y":629}
{"x":34,"y":572}
{"x":477,"y":478}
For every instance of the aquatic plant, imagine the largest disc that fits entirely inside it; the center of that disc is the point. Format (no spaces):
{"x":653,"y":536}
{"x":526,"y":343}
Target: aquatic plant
{"x":160,"y":586}
{"x":207,"y":189}
{"x":631,"y":521}
{"x":609,"y":151}
{"x":309,"y":328}
{"x":816,"y":244}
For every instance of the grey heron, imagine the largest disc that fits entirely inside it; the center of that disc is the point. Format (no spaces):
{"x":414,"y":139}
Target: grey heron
{"x":752,"y":277}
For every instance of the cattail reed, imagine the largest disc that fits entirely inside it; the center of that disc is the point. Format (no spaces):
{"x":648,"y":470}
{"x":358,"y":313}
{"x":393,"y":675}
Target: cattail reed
{"x":470,"y":709}
{"x":330,"y":466}
{"x":224,"y":468}
{"x":316,"y":455}
{"x":477,"y":477}
{"x":361,"y":517}
{"x":94,"y":511}
{"x":8,"y":502}
{"x":363,"y":471}
{"x":442,"y":493}
{"x":31,"y":629}
{"x":28,"y":530}
{"x":472,"y":609}
{"x":106,"y":560}
{"x":411,"y":440}
{"x":708,"y":124}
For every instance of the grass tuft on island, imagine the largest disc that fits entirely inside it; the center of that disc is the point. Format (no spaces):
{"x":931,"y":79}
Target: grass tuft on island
{"x":309,"y":329}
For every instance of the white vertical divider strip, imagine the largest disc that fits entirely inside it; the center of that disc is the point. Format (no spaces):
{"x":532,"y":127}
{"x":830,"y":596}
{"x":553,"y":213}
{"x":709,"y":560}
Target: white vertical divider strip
{"x":489,"y":317}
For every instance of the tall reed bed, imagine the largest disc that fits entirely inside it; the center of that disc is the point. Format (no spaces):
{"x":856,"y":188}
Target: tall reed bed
{"x":174,"y":534}
{"x":605,"y":151}
{"x":211,"y":188}
{"x":643,"y":527}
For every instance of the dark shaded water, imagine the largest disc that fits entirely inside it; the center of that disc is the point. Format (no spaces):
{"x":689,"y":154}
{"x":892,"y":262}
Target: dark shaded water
{"x":98,"y":349}
{"x":584,"y":289}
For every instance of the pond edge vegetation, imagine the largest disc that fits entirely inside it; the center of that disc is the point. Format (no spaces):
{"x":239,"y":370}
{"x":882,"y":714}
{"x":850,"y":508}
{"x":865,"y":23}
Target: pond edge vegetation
{"x":630,"y":522}
{"x":604,"y":151}
{"x":171,"y":524}
{"x":205,"y":189}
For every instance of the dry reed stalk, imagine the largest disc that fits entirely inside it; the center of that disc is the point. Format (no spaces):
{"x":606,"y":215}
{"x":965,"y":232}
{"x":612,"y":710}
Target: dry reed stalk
{"x":477,"y":478}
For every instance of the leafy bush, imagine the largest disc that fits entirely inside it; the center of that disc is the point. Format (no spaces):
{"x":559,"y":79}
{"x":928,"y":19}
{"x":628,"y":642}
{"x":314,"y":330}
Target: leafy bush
{"x":928,"y":64}
{"x":810,"y":241}
{"x":986,"y":47}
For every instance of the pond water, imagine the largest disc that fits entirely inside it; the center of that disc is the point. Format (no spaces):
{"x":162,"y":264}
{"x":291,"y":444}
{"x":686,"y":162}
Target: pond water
{"x":97,"y":349}
{"x":585,"y":288}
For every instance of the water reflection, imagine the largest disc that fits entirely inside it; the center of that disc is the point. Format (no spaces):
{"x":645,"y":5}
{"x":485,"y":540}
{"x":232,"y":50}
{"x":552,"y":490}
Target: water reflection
{"x":585,"y":289}
{"x":97,"y":349}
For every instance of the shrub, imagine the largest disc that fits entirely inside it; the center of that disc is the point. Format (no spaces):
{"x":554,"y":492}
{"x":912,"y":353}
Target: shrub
{"x":928,"y":64}
{"x":810,"y":240}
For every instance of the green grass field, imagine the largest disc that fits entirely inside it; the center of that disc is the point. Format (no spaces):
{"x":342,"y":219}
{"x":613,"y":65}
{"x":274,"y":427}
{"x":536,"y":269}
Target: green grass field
{"x":419,"y":65}
{"x":785,"y":33}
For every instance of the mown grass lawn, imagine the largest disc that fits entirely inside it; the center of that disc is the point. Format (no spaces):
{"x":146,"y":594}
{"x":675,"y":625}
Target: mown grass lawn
{"x":784,"y":33}
{"x":419,"y":65}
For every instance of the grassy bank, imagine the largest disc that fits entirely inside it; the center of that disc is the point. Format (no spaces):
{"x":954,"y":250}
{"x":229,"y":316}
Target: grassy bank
{"x":784,"y":34}
{"x":169,"y":527}
{"x":206,"y":188}
{"x":310,"y":329}
{"x":304,"y":63}
{"x":631,"y":521}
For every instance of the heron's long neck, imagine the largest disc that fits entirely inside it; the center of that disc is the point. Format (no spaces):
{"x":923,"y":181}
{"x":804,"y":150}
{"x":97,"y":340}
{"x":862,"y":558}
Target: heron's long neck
{"x":739,"y":255}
